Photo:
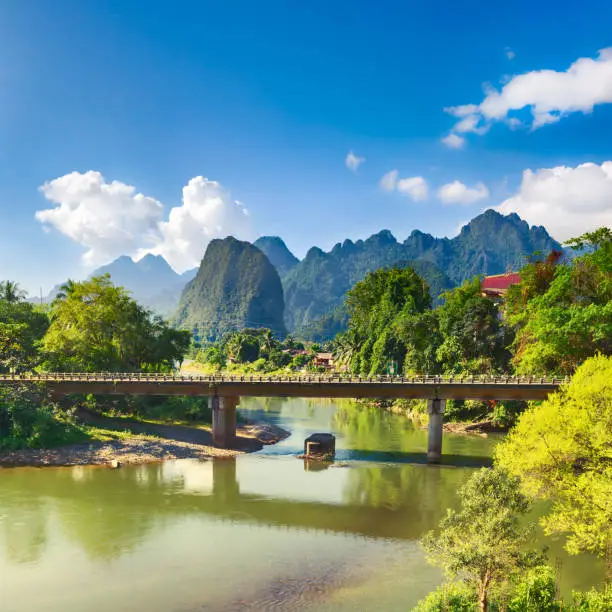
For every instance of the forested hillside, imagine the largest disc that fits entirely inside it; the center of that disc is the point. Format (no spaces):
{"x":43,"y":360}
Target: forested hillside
{"x":489,"y":244}
{"x":235,"y":287}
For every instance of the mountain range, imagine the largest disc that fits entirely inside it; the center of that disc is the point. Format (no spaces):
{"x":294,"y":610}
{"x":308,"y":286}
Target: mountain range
{"x":490,"y":243}
{"x":313,"y":288}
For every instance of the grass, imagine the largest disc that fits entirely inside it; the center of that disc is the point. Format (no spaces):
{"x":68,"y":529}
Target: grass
{"x":103,"y":434}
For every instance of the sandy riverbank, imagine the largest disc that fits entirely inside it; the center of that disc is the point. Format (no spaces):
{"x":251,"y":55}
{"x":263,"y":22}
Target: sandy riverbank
{"x":146,"y":444}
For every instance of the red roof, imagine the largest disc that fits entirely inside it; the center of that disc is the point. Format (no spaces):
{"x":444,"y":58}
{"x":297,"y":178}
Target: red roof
{"x":500,"y":281}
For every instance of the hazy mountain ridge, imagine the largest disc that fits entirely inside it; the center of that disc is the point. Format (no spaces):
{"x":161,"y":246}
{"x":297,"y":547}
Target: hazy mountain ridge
{"x":150,"y":280}
{"x":275,"y":249}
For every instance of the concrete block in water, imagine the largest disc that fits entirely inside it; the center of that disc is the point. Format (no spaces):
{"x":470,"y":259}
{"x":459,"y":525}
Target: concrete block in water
{"x":320,"y":444}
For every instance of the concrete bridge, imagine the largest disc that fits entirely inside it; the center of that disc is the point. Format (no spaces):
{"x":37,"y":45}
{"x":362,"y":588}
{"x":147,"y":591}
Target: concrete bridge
{"x":225,"y":391}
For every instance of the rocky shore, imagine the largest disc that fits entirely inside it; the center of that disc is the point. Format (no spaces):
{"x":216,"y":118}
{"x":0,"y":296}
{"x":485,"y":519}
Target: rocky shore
{"x":147,"y":444}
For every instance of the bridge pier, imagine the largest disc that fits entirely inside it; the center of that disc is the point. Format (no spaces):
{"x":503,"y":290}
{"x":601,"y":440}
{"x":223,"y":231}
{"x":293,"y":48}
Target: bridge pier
{"x":224,"y":420}
{"x":435,"y":409}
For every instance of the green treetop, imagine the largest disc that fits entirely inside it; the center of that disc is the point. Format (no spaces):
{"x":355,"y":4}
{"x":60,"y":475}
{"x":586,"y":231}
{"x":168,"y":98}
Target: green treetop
{"x":562,"y":312}
{"x":482,"y":544}
{"x":562,"y":450}
{"x":96,"y":326}
{"x":22,"y":327}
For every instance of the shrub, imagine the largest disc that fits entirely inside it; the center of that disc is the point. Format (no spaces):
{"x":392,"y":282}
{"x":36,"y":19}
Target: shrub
{"x":592,"y":601}
{"x":448,"y":598}
{"x":29,"y":420}
{"x":536,"y":591}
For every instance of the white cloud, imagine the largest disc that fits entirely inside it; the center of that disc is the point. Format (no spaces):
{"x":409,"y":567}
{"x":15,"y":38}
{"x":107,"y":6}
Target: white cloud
{"x":549,"y":94}
{"x":459,"y":193}
{"x":108,"y":219}
{"x":567,"y":201}
{"x":510,"y":54}
{"x":112,"y":219}
{"x":388,"y":181}
{"x":452,"y":141}
{"x":207,"y":212}
{"x":414,"y":187}
{"x":471,"y":123}
{"x":353,"y":162}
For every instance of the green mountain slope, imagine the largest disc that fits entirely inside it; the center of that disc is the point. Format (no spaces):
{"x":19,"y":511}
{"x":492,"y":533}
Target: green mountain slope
{"x":236,"y":287}
{"x":489,"y":244}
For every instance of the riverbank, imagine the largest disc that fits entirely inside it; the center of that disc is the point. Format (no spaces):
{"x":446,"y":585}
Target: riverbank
{"x":416,"y":411}
{"x":132,"y":442}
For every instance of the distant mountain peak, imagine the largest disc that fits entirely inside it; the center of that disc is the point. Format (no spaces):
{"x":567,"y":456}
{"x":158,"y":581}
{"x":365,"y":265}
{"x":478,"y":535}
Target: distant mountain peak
{"x":275,"y":249}
{"x":383,"y":237}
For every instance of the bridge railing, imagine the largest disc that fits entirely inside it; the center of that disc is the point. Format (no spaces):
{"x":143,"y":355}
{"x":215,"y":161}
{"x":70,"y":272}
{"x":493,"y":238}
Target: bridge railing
{"x":338,"y":378}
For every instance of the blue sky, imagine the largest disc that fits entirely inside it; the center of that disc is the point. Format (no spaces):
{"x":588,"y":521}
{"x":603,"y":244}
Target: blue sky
{"x":267,"y":99}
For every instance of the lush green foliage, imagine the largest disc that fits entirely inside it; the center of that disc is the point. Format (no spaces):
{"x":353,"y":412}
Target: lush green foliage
{"x":168,"y":409}
{"x":561,"y":449}
{"x":482,"y":544}
{"x":380,"y":308}
{"x":563,"y":311}
{"x":97,"y":327}
{"x":235,"y":287}
{"x":22,"y":327}
{"x":534,"y":590}
{"x":474,"y":338}
{"x":593,"y":601}
{"x":449,"y":597}
{"x":392,"y":328}
{"x":29,"y":419}
{"x":254,"y":350}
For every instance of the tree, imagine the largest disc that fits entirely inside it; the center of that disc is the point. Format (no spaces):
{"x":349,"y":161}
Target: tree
{"x":376,"y":305}
{"x":601,"y":237}
{"x":482,"y":543}
{"x":561,"y":450}
{"x":474,"y":337}
{"x":11,"y":292}
{"x":96,"y":326}
{"x":22,"y":327}
{"x":66,"y":289}
{"x":562,"y":312}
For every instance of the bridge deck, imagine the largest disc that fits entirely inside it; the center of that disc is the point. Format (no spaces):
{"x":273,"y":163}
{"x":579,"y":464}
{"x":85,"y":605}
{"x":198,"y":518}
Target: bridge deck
{"x":336,"y":386}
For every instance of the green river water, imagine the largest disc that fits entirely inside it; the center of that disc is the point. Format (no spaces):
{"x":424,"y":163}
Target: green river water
{"x":262,"y":532}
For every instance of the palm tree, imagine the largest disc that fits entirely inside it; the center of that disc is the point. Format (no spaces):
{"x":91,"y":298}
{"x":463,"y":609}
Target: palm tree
{"x":266,"y":341}
{"x":346,"y":346}
{"x":11,"y":292}
{"x":66,"y":289}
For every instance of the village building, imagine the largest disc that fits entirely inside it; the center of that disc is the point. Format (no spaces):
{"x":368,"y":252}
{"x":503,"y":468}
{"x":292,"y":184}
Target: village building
{"x":325,"y":360}
{"x":496,"y":286}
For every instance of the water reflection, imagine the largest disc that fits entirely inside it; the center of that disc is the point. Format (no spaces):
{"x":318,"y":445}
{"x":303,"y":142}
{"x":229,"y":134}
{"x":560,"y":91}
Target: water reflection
{"x":108,"y":513}
{"x":182,"y":535}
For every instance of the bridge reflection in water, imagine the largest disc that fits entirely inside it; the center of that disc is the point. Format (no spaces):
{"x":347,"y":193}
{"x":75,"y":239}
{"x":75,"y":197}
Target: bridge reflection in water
{"x":361,"y":500}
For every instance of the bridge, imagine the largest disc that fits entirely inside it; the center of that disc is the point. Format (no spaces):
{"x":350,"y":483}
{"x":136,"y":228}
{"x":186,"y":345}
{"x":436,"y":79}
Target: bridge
{"x":225,"y":391}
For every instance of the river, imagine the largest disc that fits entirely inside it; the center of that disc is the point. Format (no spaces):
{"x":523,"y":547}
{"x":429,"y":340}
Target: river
{"x":265,"y":531}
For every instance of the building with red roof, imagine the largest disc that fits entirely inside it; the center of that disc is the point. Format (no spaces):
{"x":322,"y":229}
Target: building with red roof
{"x":497,"y":285}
